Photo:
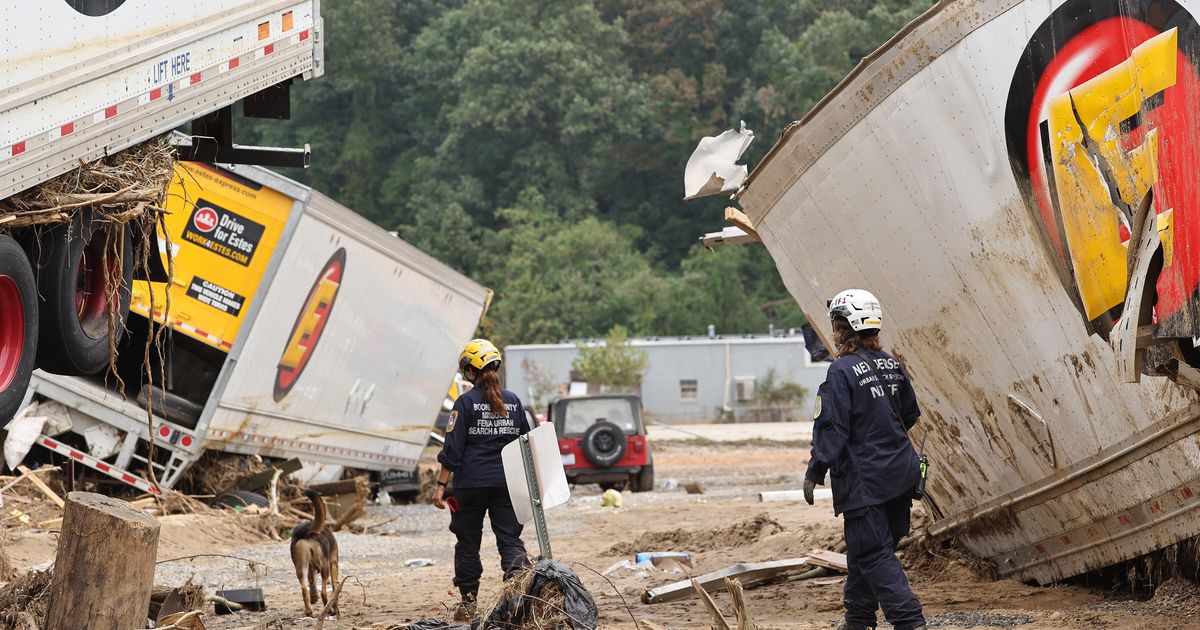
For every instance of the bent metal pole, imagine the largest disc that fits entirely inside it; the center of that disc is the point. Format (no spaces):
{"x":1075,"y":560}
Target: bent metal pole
{"x":535,"y":497}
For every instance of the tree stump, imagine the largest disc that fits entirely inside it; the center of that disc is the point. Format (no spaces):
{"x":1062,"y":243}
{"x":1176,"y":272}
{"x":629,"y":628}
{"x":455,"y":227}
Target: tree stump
{"x":104,"y":567}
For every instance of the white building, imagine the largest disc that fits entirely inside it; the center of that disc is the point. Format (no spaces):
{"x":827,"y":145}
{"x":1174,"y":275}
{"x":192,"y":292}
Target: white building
{"x":687,"y":379}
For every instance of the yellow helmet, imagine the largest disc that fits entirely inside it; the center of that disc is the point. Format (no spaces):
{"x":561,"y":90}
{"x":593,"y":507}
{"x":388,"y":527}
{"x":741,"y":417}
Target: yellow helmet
{"x":479,"y":353}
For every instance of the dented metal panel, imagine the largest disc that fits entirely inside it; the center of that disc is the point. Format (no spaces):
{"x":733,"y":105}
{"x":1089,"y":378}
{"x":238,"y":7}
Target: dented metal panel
{"x":984,"y":173}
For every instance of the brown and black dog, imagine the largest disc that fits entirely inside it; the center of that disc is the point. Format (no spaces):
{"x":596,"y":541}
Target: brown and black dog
{"x":314,"y":550}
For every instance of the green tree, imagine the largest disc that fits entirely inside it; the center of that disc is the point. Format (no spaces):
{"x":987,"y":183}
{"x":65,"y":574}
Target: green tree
{"x":561,"y":279}
{"x":773,"y":390}
{"x":539,"y":146}
{"x":614,"y":366}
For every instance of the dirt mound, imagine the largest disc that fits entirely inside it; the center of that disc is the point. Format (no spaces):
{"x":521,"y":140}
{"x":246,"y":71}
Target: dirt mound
{"x":741,"y":534}
{"x":944,"y":562}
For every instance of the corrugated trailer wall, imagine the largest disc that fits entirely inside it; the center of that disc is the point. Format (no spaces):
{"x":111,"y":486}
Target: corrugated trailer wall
{"x":943,"y":175}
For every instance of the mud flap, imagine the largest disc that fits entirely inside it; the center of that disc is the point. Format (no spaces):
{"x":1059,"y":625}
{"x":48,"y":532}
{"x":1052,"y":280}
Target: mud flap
{"x":1139,"y":298}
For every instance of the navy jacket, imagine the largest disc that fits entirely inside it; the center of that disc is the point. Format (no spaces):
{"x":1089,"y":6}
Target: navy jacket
{"x":857,"y":435}
{"x":474,"y":437}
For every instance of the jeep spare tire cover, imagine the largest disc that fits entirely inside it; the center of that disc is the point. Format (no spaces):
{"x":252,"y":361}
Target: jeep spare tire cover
{"x":604,"y":444}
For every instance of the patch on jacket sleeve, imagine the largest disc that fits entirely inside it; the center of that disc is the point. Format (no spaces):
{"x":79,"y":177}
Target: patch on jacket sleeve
{"x":454,"y":420}
{"x":817,"y":413}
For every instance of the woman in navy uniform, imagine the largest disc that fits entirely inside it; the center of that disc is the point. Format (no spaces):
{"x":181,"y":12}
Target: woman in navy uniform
{"x":482,"y":422}
{"x":864,"y":410}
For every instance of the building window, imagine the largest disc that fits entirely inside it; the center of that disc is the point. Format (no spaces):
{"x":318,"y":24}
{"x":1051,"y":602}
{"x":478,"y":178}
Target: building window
{"x":688,"y":389}
{"x":745,"y":389}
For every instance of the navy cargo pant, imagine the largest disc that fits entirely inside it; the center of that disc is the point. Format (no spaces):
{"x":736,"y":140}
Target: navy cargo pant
{"x":875,"y":577}
{"x":467,"y":524}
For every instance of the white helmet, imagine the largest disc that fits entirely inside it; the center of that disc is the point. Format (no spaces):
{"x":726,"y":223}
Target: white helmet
{"x":859,"y":307}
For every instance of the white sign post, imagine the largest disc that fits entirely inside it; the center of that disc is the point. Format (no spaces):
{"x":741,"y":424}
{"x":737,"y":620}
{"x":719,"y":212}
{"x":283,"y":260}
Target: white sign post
{"x":536,"y":480}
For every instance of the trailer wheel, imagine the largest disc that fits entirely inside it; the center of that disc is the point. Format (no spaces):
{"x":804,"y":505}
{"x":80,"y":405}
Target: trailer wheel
{"x":76,"y":264}
{"x":240,"y":499}
{"x":18,"y":326}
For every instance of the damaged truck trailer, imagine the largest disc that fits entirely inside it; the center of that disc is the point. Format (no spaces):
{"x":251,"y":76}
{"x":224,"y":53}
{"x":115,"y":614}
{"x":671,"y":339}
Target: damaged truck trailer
{"x":295,"y":329}
{"x":1016,"y":180}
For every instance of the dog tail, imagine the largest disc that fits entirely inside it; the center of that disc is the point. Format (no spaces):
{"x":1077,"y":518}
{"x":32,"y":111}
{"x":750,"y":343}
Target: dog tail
{"x":318,"y":522}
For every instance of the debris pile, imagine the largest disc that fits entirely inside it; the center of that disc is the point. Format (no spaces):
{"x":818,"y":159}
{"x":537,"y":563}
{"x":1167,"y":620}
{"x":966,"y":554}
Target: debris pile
{"x":120,"y":188}
{"x":548,"y":596}
{"x":24,"y":601}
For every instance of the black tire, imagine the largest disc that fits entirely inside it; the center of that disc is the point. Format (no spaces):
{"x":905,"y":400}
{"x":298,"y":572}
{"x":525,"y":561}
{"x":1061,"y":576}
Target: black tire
{"x":604,"y":444}
{"x":18,"y":326}
{"x":173,"y":407}
{"x":74,"y":263}
{"x":240,"y":499}
{"x":644,"y":480}
{"x":619,"y":486}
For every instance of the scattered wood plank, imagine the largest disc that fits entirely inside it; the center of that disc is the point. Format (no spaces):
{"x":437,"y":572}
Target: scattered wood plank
{"x":772,"y":496}
{"x":827,"y":559}
{"x":41,"y":485}
{"x":711,"y":606}
{"x":104,"y":566}
{"x":748,"y":572}
{"x":740,"y":608}
{"x":262,"y":479}
{"x":15,"y":480}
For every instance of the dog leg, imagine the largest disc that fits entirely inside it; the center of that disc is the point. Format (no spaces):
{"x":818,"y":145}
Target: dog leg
{"x":333,"y":569}
{"x":304,"y":590}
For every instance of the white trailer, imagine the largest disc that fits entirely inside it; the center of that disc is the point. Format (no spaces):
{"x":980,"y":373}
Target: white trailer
{"x":335,"y":342}
{"x":1016,"y":181}
{"x":84,"y":79}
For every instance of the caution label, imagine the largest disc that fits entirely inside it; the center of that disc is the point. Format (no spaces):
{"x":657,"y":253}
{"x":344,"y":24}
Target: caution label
{"x":216,"y":296}
{"x":223,"y":232}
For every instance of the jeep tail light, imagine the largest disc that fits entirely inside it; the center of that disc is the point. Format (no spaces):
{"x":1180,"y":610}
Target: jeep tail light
{"x":639,"y":444}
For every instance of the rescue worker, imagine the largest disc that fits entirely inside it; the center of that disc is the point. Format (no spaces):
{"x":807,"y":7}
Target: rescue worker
{"x":481,"y":423}
{"x":864,"y":410}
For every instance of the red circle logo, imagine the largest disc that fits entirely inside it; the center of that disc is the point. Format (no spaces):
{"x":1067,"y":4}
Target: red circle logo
{"x":1100,"y":125}
{"x":205,"y":219}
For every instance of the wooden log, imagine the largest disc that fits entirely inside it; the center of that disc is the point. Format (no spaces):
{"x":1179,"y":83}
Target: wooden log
{"x":104,"y":567}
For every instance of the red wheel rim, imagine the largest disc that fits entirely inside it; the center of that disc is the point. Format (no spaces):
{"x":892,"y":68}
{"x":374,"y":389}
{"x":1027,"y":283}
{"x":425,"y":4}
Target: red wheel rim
{"x":91,"y":282}
{"x":12,"y":330}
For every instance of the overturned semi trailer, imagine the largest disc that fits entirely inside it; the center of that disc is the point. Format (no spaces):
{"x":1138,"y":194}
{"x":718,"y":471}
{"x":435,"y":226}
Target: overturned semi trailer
{"x":1017,"y":182}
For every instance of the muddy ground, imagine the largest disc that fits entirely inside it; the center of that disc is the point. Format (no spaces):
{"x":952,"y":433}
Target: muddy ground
{"x":724,"y":525}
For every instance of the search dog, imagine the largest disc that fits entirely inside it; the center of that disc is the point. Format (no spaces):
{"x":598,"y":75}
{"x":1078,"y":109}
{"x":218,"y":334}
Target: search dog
{"x":314,"y":549}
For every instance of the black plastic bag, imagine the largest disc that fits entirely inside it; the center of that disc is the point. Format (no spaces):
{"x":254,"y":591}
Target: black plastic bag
{"x":435,"y":624}
{"x":579,"y":609}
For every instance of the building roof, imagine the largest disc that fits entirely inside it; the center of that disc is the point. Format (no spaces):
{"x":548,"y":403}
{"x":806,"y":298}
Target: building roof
{"x":791,"y":336}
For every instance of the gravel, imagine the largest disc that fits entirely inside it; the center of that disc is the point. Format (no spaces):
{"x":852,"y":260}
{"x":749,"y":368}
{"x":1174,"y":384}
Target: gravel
{"x":978,"y":620}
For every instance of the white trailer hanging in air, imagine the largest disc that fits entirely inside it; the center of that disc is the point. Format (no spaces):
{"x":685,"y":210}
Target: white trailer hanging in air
{"x":1016,"y":181}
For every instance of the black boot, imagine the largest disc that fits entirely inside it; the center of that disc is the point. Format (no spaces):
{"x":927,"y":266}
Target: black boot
{"x":466,"y":610}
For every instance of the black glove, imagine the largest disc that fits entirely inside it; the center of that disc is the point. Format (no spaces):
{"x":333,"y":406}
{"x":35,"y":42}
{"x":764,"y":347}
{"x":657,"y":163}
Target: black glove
{"x":809,"y":486}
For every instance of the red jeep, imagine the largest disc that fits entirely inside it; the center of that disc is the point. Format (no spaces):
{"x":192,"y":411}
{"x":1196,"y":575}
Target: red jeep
{"x":602,"y":440}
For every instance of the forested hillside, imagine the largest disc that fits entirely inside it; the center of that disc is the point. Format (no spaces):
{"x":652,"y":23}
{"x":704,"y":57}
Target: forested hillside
{"x":539,"y":145}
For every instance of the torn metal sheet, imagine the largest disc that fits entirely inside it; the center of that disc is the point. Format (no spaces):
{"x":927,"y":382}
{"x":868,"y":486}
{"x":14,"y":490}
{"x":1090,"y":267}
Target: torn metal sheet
{"x":713,"y":167}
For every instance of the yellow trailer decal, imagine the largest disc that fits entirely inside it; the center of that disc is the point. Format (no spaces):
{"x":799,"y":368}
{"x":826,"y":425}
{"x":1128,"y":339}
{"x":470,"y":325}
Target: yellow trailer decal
{"x":223,"y":230}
